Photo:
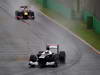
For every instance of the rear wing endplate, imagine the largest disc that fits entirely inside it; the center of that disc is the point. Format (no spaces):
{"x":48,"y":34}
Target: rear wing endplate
{"x":53,"y":47}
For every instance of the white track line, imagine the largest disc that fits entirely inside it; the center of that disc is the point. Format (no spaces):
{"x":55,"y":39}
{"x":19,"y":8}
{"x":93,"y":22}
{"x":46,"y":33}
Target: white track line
{"x":98,"y":52}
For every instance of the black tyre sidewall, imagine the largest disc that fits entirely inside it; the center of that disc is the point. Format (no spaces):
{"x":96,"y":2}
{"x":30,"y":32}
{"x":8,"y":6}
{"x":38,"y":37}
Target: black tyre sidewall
{"x":33,"y":58}
{"x":62,"y":56}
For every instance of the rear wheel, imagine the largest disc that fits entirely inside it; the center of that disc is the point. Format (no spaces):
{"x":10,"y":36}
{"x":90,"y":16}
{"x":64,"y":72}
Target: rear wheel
{"x":18,"y":15}
{"x":32,"y":15}
{"x":62,"y":56}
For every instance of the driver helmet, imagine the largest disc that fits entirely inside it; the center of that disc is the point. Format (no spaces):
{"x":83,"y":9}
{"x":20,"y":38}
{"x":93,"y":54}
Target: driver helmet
{"x":47,"y":52}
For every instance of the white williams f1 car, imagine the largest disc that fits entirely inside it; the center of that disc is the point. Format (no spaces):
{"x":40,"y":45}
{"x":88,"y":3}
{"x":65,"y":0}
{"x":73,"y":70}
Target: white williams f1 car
{"x":24,"y":13}
{"x":51,"y":57}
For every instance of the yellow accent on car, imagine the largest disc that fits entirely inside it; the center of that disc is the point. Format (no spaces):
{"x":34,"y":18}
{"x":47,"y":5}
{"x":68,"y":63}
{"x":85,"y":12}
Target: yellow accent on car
{"x":25,"y":13}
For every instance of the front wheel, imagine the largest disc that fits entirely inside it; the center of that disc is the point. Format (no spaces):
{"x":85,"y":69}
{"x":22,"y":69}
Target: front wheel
{"x":33,"y":58}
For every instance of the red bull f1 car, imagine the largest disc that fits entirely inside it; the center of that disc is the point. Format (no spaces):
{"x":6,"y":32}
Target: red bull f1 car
{"x":51,"y":57}
{"x":24,"y":13}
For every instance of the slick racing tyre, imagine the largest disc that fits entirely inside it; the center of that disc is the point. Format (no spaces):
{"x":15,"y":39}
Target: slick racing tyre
{"x":18,"y":15}
{"x":32,"y":15}
{"x":33,"y":58}
{"x":62,"y":56}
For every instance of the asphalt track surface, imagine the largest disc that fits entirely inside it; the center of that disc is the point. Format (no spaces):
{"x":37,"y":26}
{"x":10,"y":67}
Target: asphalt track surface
{"x":18,"y":39}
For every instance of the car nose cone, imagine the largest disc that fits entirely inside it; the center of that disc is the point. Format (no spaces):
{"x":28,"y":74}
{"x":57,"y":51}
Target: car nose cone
{"x":25,"y":13}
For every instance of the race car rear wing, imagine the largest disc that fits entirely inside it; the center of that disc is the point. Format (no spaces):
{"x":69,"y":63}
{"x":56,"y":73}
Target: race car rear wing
{"x":23,"y":6}
{"x":53,"y":47}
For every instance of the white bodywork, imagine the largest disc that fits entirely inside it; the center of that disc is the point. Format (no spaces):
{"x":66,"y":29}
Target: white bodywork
{"x":53,"y":46}
{"x":33,"y":63}
{"x":36,"y":63}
